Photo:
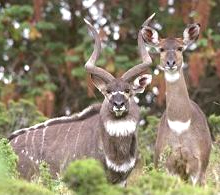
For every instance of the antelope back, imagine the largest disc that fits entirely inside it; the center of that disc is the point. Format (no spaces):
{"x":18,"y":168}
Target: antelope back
{"x":58,"y":141}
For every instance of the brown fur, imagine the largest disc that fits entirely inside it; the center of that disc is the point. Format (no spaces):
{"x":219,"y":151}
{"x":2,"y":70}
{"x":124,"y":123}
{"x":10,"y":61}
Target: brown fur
{"x":67,"y":141}
{"x":190,"y":144}
{"x":191,"y":149}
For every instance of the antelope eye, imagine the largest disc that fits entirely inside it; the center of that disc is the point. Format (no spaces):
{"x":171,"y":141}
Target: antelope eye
{"x":161,"y":49}
{"x":127,"y":90}
{"x":180,"y":49}
{"x":108,"y":91}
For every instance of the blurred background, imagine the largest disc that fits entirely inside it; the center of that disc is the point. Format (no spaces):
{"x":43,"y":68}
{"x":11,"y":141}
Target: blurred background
{"x":44,"y":45}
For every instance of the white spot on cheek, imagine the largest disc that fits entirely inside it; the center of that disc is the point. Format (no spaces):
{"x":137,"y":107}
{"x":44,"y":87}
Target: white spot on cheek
{"x":178,"y":126}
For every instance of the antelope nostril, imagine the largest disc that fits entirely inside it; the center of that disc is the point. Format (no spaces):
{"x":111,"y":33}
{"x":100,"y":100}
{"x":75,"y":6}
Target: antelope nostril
{"x":171,"y":63}
{"x":118,"y":104}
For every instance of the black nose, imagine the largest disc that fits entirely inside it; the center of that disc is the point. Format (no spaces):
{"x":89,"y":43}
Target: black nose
{"x":171,"y":63}
{"x":119,"y":104}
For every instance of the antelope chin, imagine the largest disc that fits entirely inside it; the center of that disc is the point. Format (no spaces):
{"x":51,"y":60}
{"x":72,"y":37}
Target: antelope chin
{"x":119,"y":111}
{"x":172,"y":77}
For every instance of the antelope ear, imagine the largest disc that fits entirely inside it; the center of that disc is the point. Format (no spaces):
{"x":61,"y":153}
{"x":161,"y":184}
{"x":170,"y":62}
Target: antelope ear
{"x":99,"y":83}
{"x":191,"y":34}
{"x":150,"y":36}
{"x":141,"y":82}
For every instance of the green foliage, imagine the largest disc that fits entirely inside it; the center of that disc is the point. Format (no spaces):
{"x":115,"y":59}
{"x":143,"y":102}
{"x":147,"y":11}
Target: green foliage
{"x":18,"y":115}
{"x":76,"y":172}
{"x":214,"y":167}
{"x":9,"y":183}
{"x":158,"y":183}
{"x":214,"y":122}
{"x":45,"y":177}
{"x":147,"y":137}
{"x":88,"y":177}
{"x":19,"y":12}
{"x":78,"y":72}
{"x":19,"y":187}
{"x":8,"y":159}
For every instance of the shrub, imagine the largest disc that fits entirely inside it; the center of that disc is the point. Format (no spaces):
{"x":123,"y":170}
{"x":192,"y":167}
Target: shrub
{"x":157,"y":183}
{"x":214,"y":122}
{"x":88,"y":177}
{"x":147,"y":138}
{"x":19,"y":187}
{"x":8,"y":159}
{"x":18,"y":115}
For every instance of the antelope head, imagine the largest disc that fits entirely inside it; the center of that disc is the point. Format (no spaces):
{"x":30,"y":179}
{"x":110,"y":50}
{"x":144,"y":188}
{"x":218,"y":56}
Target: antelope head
{"x":118,"y":92}
{"x":171,"y":49}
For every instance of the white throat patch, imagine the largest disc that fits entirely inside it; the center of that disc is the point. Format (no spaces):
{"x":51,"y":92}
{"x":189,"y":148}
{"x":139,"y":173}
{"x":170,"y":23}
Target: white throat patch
{"x":125,"y":167}
{"x":172,"y":77}
{"x":178,"y":126}
{"x":120,"y":127}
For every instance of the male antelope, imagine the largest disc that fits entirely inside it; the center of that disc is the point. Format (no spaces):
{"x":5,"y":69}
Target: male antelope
{"x":183,"y":126}
{"x":106,"y":131}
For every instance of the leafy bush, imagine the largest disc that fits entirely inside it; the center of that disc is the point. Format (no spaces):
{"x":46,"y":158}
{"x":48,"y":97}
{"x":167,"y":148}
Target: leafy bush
{"x":88,"y":177}
{"x":84,"y":176}
{"x":214,"y":122}
{"x":19,"y":187}
{"x":158,"y":183}
{"x":18,"y":115}
{"x":8,"y":159}
{"x":147,"y":137}
{"x":9,"y":184}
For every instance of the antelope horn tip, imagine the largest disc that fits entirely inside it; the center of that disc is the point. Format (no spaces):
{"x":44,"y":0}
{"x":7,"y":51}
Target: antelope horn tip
{"x":147,"y":21}
{"x":86,"y":21}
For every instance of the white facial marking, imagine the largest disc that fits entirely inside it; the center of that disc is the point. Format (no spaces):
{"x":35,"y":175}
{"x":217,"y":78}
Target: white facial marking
{"x":178,"y":126}
{"x":119,"y":109}
{"x":125,"y":167}
{"x":118,"y":92}
{"x":120,"y":127}
{"x":172,"y":77}
{"x":31,"y":158}
{"x":22,"y":151}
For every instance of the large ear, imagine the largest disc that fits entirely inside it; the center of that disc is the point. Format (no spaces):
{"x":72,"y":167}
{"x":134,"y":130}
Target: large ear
{"x":99,"y":83}
{"x":191,"y":34}
{"x":141,"y":82}
{"x":150,"y":36}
